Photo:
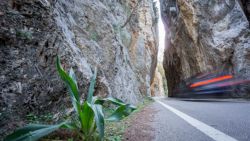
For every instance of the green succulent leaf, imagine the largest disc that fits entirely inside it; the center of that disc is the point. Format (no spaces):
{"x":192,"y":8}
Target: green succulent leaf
{"x":131,"y":107}
{"x":118,"y":114}
{"x":99,"y":118}
{"x":70,"y":81}
{"x":87,"y":118}
{"x":114,"y":101}
{"x":33,"y":132}
{"x":92,"y":87}
{"x":99,"y":101}
{"x":121,"y":112}
{"x":72,"y":75}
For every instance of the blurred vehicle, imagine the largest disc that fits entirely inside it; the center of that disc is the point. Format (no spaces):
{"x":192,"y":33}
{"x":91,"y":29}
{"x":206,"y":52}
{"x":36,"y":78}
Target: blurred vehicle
{"x":215,"y":84}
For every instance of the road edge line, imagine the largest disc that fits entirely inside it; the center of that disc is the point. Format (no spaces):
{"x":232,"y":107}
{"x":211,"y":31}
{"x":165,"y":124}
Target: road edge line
{"x":206,"y":129}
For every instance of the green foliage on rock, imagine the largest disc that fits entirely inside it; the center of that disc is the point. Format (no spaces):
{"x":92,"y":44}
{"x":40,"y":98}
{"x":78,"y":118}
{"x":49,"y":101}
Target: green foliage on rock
{"x":90,"y":123}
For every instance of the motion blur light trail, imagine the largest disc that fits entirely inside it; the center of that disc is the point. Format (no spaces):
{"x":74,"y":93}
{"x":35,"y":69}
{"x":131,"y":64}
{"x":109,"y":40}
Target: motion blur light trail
{"x":211,"y":91}
{"x":224,"y":84}
{"x":211,"y":81}
{"x":216,"y":82}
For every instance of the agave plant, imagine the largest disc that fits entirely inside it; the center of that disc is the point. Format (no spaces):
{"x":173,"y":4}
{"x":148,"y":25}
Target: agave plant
{"x":90,"y":118}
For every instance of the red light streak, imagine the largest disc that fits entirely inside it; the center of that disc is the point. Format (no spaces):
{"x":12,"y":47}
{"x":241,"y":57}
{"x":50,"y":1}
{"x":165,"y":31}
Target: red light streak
{"x":221,"y":78}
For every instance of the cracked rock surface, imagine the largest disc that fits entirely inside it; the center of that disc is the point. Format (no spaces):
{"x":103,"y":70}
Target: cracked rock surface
{"x":204,"y":35}
{"x":85,"y":34}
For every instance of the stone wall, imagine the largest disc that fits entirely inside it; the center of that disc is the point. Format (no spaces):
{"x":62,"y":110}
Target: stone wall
{"x":203,"y":35}
{"x":85,"y":34}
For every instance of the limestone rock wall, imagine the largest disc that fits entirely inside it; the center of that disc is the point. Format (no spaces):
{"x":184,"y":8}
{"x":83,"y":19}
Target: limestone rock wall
{"x":85,"y":34}
{"x":203,"y":35}
{"x":157,"y":87}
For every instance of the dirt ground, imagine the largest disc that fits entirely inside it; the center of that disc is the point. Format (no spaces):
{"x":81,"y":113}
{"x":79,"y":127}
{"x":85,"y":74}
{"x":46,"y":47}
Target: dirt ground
{"x":141,"y":126}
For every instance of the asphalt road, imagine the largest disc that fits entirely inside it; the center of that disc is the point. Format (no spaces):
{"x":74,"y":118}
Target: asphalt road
{"x":230,"y":117}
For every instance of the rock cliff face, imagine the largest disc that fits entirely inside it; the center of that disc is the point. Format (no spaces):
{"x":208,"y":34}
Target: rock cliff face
{"x":159,"y":86}
{"x":203,"y":35}
{"x":85,"y":34}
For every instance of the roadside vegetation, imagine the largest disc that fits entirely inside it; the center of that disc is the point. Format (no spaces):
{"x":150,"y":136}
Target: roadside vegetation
{"x":114,"y":131}
{"x":88,"y":123}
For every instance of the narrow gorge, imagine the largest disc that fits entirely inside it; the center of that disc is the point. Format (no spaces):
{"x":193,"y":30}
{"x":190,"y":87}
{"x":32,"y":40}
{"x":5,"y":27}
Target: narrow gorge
{"x":121,"y":38}
{"x":204,"y":35}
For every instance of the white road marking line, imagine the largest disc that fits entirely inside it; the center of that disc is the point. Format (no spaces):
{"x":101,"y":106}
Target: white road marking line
{"x":206,"y":129}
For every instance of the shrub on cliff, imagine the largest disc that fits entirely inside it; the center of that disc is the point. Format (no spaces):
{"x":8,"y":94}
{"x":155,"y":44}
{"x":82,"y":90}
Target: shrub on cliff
{"x":90,"y":123}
